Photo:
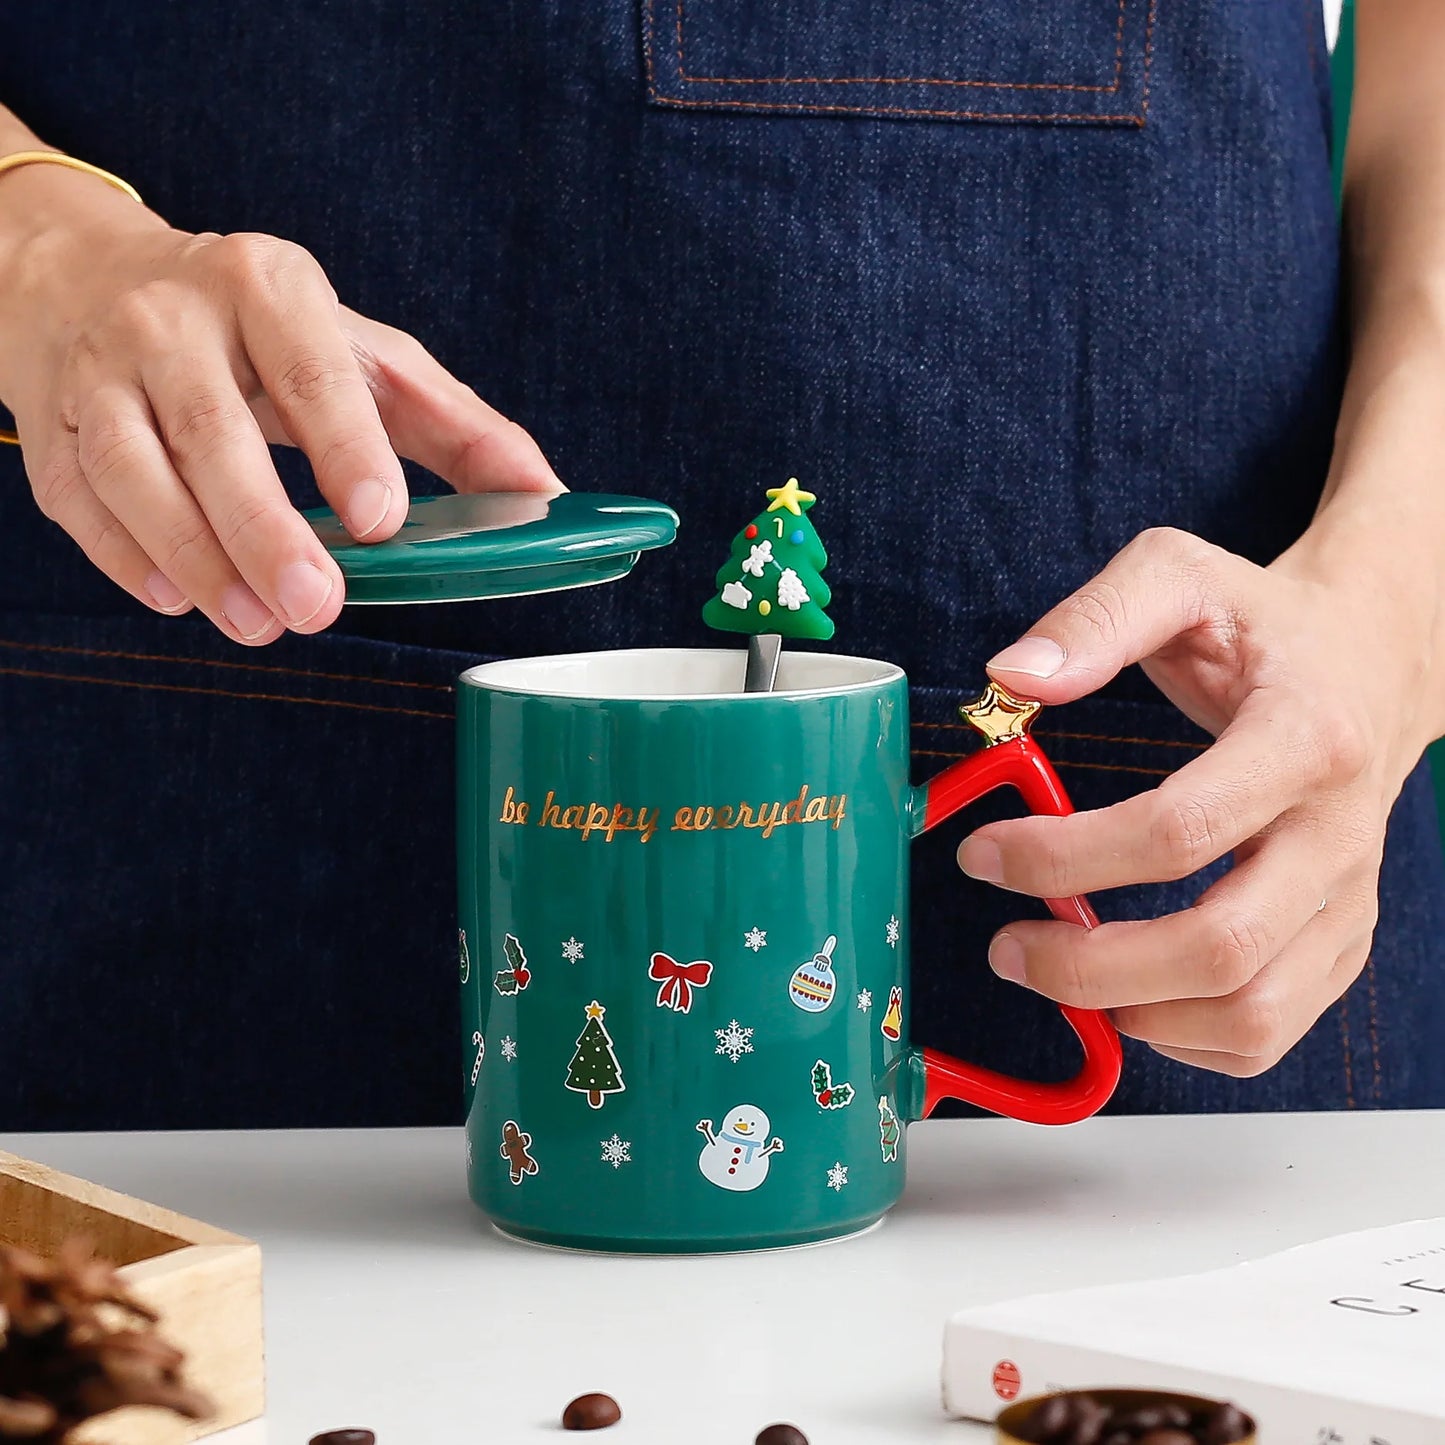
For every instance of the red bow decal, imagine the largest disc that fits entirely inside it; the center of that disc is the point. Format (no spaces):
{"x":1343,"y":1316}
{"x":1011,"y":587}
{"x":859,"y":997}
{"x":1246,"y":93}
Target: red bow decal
{"x":678,"y":981}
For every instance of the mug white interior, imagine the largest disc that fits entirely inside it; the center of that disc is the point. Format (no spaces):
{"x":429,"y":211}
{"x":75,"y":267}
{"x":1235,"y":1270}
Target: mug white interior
{"x":676,"y":672}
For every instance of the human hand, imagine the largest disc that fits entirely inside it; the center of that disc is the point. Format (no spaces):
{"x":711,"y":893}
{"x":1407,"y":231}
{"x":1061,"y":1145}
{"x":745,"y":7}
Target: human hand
{"x":1303,"y":677}
{"x":147,"y":370}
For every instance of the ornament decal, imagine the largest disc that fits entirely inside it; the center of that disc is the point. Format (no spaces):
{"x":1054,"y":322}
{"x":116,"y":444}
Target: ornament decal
{"x":837,"y":1177}
{"x":481,"y":1044}
{"x":889,"y":1130}
{"x":734,"y":1041}
{"x":464,"y":958}
{"x":572,"y":951}
{"x":892,"y":1025}
{"x":736,"y":1157}
{"x":755,"y":938}
{"x":515,"y":1147}
{"x":813,"y":985}
{"x":516,"y":976}
{"x":828,"y":1094}
{"x":677,"y":981}
{"x":616,"y":1152}
{"x":594,"y":1069}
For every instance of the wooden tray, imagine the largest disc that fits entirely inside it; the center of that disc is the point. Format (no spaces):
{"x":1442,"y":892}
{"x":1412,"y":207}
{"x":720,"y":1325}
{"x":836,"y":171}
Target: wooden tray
{"x":203,"y":1282}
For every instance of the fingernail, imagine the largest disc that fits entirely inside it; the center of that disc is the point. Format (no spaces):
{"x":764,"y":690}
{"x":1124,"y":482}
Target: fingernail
{"x":164,"y":593}
{"x":367,"y":509}
{"x":302,"y":590}
{"x":245,"y":611}
{"x":1006,"y":958}
{"x":981,"y":859}
{"x":1032,"y":656}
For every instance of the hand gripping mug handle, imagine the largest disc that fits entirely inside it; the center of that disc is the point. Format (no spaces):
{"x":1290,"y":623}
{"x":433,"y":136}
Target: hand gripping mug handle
{"x":1011,"y":756}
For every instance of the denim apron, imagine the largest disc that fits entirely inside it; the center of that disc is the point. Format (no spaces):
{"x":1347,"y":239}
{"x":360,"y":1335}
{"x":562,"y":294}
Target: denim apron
{"x":1005,"y":284}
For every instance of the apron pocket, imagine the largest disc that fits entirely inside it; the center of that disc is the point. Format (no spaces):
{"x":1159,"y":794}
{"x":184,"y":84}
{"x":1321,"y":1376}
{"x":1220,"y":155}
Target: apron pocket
{"x":1083,"y":62}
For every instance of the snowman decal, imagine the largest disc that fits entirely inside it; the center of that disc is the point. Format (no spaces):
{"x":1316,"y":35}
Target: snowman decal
{"x":736,"y":1157}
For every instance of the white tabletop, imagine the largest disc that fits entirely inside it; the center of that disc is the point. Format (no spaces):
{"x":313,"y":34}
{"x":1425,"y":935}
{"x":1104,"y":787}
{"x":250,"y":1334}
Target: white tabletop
{"x":389,"y":1304}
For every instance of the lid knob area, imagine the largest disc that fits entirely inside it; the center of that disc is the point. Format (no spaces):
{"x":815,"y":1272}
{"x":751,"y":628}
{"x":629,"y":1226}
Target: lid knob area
{"x":463,"y":548}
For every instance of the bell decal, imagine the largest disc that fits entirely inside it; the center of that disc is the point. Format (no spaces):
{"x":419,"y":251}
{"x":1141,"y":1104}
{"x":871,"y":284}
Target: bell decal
{"x":892,"y":1025}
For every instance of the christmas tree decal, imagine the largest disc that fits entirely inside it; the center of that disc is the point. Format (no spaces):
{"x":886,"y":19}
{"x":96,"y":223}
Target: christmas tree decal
{"x":772,"y":582}
{"x":594,"y":1069}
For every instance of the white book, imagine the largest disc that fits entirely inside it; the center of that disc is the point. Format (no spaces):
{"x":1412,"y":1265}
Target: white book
{"x":1341,"y":1342}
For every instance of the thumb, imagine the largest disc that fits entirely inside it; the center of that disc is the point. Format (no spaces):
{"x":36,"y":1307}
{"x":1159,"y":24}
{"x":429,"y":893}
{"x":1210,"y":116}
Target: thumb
{"x":1159,"y":586}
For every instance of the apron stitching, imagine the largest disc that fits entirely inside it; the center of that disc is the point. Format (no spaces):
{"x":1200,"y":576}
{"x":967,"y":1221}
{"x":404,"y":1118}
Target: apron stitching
{"x":1082,"y":737}
{"x":811,"y":108}
{"x":904,"y":79}
{"x":1148,"y":58}
{"x":209,"y":662}
{"x":1345,"y":1043}
{"x":647,"y":50}
{"x":1058,"y":763}
{"x":1374,"y":1026}
{"x":222,"y":692}
{"x":1311,"y":9}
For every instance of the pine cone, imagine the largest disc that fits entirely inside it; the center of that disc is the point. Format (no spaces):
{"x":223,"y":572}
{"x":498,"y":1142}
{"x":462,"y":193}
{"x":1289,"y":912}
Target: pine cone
{"x":62,"y":1362}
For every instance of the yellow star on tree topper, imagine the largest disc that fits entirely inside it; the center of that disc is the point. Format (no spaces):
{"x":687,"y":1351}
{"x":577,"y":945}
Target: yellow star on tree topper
{"x":999,"y":715}
{"x":789,"y":497}
{"x":594,"y":1010}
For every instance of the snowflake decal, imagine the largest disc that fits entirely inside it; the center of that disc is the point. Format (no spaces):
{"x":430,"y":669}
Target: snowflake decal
{"x":572,"y":951}
{"x":837,"y":1178}
{"x":791,"y":592}
{"x":891,"y":933}
{"x":469,"y":1151}
{"x":865,"y":1000}
{"x":759,"y":557}
{"x":509,"y":1048}
{"x":755,"y":938}
{"x":734,"y":1041}
{"x":616,"y":1151}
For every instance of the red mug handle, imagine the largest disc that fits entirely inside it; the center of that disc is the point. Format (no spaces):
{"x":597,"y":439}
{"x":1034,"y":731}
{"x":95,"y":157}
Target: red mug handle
{"x":1010,"y":756}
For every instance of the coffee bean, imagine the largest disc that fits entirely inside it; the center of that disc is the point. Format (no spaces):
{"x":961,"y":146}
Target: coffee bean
{"x":591,"y":1412}
{"x":1046,"y":1420}
{"x":1090,"y":1420}
{"x":1225,"y":1425}
{"x":1168,"y":1435}
{"x":344,"y":1437}
{"x":1120,"y":1437}
{"x":1164,"y":1416}
{"x":781,"y":1435}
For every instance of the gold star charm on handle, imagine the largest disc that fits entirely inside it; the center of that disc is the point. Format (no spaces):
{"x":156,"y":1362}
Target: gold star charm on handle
{"x":789,"y":496}
{"x":999,"y":715}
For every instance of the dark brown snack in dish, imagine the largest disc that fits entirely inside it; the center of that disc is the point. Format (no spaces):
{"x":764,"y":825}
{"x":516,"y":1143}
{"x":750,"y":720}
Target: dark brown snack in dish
{"x":591,"y":1412}
{"x":1123,"y":1417}
{"x":344,"y":1437}
{"x":1225,"y":1426}
{"x":781,"y":1435}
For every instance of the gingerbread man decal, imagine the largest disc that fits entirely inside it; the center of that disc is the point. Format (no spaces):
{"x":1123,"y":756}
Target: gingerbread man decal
{"x":515,"y":1145}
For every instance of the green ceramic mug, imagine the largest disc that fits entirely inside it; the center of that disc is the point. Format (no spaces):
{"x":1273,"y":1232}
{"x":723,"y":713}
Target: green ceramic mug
{"x":684,"y":947}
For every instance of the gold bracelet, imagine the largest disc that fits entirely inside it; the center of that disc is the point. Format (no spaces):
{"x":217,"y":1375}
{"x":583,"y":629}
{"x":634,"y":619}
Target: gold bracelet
{"x":59,"y":158}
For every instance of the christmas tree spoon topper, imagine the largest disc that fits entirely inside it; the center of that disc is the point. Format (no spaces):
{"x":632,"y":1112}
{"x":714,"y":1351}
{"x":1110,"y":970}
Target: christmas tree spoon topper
{"x":771,"y":586}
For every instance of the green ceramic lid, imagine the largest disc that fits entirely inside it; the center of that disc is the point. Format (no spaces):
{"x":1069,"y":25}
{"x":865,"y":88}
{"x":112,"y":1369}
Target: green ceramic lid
{"x":456,"y":548}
